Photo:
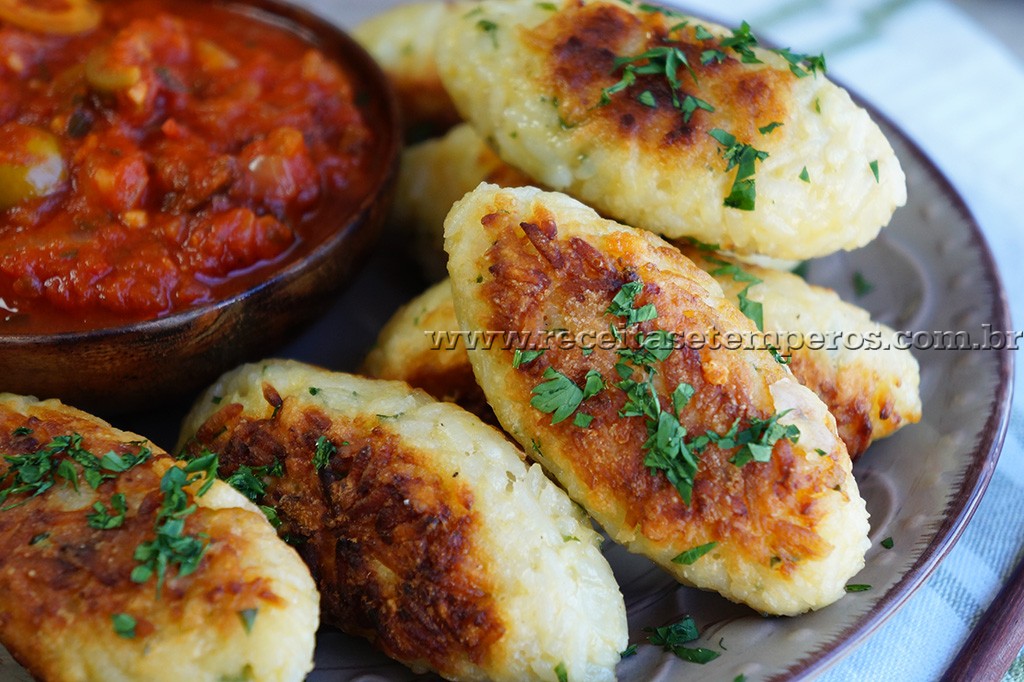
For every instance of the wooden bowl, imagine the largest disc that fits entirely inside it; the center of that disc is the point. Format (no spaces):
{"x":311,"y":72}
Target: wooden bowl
{"x":146,"y":364}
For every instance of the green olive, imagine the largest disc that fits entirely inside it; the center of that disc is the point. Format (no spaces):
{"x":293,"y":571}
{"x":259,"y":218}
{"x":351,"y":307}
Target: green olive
{"x":31,"y":164}
{"x":108,"y":75}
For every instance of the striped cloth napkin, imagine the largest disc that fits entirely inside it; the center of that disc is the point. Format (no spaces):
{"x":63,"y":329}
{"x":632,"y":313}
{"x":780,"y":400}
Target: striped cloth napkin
{"x":960,"y":95}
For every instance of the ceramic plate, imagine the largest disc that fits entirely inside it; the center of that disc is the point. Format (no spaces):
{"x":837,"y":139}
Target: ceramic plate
{"x":931,"y":273}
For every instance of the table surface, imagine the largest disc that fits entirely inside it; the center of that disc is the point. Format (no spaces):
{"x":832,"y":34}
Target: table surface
{"x":950,"y":74}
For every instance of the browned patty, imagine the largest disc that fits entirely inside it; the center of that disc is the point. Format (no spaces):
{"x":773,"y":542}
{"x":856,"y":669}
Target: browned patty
{"x":389,"y":541}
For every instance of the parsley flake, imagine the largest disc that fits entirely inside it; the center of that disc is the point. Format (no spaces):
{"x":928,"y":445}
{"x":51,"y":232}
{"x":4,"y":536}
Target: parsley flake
{"x":802,"y":65}
{"x":489,"y":27}
{"x":102,"y":518}
{"x":313,"y":390}
{"x":124,"y":625}
{"x":691,"y":555}
{"x":561,"y":672}
{"x":888,"y":543}
{"x":754,"y":310}
{"x":874,"y":169}
{"x":764,"y":130}
{"x":582,"y":420}
{"x":742,"y":41}
{"x":248,"y":618}
{"x":628,"y":651}
{"x":673,"y":638}
{"x":778,"y":356}
{"x":525,"y":357}
{"x":559,"y":396}
{"x":701,"y":33}
{"x":743,"y":157}
{"x":171,"y":546}
{"x":647,"y":99}
{"x":858,"y":588}
{"x":861,"y":285}
{"x":804,"y":175}
{"x":323,"y":452}
{"x":647,"y":7}
{"x":658,"y":61}
{"x":712,"y":56}
{"x":625,"y":300}
{"x":756,"y":442}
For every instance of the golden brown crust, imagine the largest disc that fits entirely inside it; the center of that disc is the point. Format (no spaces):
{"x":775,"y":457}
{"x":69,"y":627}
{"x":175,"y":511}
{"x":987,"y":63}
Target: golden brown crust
{"x":582,"y":42}
{"x":759,"y":507}
{"x":59,"y":573}
{"x":388,"y":540}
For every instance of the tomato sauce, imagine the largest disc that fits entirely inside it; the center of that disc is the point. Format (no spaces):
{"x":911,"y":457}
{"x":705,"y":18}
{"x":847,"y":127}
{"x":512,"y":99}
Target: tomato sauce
{"x":166,"y":158}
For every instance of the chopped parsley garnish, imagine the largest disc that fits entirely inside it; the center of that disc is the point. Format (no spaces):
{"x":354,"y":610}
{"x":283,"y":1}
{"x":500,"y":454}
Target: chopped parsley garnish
{"x":741,"y":41}
{"x":124,"y":625}
{"x":712,"y":57}
{"x":489,"y":27}
{"x":248,"y":618}
{"x":874,"y":169}
{"x":660,"y":61}
{"x":103,"y":518}
{"x":764,"y":130}
{"x":754,"y":310}
{"x":582,"y":420}
{"x":802,"y":269}
{"x":36,"y":472}
{"x":559,"y":396}
{"x":691,"y":555}
{"x":743,"y":157}
{"x":323,"y":452}
{"x":701,"y":33}
{"x":21,"y":431}
{"x":628,"y":651}
{"x":804,"y":175}
{"x":249,"y":480}
{"x":888,"y":543}
{"x":313,"y":390}
{"x":778,"y":356}
{"x":754,"y":443}
{"x":171,"y":546}
{"x":861,"y":285}
{"x":549,"y":6}
{"x":647,"y":7}
{"x":858,"y":588}
{"x":821,"y":453}
{"x":524,"y":357}
{"x":593,"y":384}
{"x":36,"y":539}
{"x":647,"y":99}
{"x":673,"y":637}
{"x":802,"y":65}
{"x":561,"y":673}
{"x":623,"y":305}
